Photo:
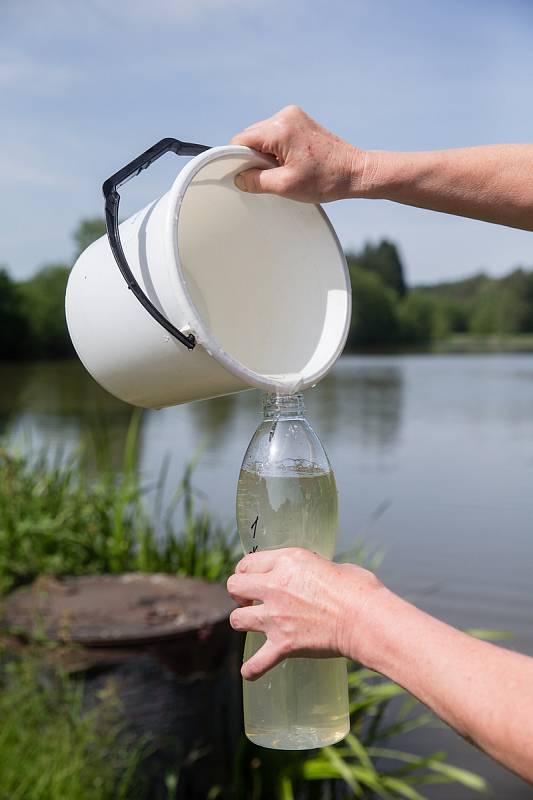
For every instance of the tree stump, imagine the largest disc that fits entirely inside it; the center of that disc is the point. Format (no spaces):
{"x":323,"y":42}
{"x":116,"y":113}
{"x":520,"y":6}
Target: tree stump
{"x":165,"y":647}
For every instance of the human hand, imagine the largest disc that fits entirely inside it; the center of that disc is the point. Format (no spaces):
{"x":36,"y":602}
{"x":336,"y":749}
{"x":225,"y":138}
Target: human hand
{"x":309,"y":606}
{"x":315,"y":166}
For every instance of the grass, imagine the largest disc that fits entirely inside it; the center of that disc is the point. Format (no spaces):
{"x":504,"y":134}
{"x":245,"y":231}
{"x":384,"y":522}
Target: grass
{"x":64,"y":517}
{"x":51,"y":749}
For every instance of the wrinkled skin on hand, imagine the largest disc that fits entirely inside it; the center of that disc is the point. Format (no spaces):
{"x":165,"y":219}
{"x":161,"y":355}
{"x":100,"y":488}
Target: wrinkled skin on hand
{"x":306,"y":605}
{"x":315,"y":166}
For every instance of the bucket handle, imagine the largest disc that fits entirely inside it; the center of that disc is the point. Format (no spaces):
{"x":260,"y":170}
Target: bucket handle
{"x":112,"y":200}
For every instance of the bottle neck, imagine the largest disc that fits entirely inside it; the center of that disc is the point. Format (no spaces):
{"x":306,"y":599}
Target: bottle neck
{"x":283,"y":406}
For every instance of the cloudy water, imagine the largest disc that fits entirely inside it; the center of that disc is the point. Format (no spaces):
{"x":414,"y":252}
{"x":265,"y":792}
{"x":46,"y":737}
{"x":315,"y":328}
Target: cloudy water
{"x":301,"y":703}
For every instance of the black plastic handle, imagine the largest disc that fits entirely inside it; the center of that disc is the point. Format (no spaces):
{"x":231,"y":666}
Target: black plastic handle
{"x":112,"y":200}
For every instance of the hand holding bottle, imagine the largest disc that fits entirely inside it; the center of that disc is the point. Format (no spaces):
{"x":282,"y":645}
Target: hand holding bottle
{"x":309,"y":606}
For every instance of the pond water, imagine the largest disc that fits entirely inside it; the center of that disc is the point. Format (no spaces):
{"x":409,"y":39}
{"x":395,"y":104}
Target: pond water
{"x":433,"y":457}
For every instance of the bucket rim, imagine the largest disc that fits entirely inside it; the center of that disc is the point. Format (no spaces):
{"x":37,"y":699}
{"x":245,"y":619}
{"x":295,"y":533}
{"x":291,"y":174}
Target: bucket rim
{"x":195,"y":324}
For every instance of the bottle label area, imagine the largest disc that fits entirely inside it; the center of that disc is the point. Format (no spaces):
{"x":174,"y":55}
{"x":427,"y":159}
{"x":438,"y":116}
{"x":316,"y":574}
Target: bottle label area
{"x":291,"y":510}
{"x":253,"y":527}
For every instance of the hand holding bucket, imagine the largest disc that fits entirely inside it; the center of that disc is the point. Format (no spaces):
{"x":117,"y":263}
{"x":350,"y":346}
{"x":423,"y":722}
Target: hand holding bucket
{"x":209,"y":290}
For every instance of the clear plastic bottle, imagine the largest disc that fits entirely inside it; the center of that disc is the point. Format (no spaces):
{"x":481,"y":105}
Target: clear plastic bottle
{"x":287,"y":497}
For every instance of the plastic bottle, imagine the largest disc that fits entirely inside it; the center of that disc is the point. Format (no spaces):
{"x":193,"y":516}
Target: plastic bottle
{"x":287,"y":497}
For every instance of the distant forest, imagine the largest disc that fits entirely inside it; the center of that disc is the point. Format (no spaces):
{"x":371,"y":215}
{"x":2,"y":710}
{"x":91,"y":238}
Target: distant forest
{"x":387,"y":314}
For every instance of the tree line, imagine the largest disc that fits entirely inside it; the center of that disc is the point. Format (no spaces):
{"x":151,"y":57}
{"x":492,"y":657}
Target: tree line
{"x":386,"y":312}
{"x":32,"y":312}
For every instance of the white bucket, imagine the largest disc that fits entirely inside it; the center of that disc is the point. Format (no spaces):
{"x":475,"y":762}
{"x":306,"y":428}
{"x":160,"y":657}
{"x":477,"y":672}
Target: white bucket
{"x":260,"y":281}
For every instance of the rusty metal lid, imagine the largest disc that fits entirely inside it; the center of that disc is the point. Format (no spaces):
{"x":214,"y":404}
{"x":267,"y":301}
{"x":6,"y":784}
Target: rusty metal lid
{"x":111,"y":610}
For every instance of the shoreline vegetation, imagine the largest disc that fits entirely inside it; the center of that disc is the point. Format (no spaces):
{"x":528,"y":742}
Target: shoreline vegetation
{"x":478,"y":314}
{"x":79,"y":515}
{"x":458,"y":344}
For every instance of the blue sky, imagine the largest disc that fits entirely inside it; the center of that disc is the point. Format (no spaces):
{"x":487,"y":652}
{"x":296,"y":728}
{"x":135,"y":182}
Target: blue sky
{"x":85,"y":86}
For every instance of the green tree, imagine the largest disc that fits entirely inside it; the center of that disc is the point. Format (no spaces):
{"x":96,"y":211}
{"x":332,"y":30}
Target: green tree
{"x":374,"y":312}
{"x":520,"y":284}
{"x":500,"y":311}
{"x":416,"y":315}
{"x":384,"y":261}
{"x":43,"y":299}
{"x":87,"y":232}
{"x":14,"y":333}
{"x":454,"y":303}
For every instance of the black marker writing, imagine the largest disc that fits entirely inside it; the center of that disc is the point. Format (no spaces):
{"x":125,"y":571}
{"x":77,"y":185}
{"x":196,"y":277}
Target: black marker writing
{"x":253,"y":526}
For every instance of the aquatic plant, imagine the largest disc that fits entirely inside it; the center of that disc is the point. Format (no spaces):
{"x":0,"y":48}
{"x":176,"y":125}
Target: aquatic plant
{"x":80,"y":515}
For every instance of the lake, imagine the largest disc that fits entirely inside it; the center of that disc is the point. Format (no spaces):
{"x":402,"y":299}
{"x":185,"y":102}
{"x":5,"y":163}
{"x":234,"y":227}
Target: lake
{"x":433,"y":457}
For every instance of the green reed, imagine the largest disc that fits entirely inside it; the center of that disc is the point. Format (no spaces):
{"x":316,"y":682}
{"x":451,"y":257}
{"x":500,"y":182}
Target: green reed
{"x":80,"y":515}
{"x":53,"y":749}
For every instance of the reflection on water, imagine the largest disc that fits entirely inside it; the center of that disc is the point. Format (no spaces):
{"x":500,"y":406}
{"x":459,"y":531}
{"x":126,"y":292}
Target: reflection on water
{"x":367,"y":401}
{"x":57,"y":398}
{"x":59,"y":402}
{"x":444,"y":443}
{"x":212,"y":419}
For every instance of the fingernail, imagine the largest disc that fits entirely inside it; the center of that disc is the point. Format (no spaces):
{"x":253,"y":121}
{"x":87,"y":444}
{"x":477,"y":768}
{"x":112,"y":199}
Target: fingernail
{"x":239,"y":183}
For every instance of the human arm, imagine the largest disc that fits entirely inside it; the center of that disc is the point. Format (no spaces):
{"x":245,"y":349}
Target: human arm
{"x":310,"y":606}
{"x":493,"y":183}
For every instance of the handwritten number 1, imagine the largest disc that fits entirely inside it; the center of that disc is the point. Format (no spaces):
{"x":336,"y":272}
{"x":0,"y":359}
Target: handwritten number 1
{"x":253,"y":526}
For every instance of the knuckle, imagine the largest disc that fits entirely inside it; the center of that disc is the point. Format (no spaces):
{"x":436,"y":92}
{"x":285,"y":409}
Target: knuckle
{"x":284,"y":578}
{"x":292,"y":110}
{"x":270,"y":585}
{"x":234,"y":620}
{"x":289,"y":559}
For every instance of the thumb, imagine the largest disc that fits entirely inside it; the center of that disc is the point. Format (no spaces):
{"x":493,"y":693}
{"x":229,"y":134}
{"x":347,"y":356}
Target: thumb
{"x":266,"y":657}
{"x":260,"y":180}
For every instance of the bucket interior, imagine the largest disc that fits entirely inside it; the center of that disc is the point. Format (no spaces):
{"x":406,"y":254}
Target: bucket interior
{"x":265,"y":274}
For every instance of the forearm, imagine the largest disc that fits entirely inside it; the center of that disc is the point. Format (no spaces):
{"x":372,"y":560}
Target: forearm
{"x":483,"y":691}
{"x":310,"y":606}
{"x":493,"y":183}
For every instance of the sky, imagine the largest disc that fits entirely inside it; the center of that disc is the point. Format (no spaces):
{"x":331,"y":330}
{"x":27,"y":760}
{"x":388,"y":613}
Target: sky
{"x":85,"y":85}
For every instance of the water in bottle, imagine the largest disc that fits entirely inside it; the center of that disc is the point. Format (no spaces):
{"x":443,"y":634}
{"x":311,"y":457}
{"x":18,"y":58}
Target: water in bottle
{"x":287,"y":497}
